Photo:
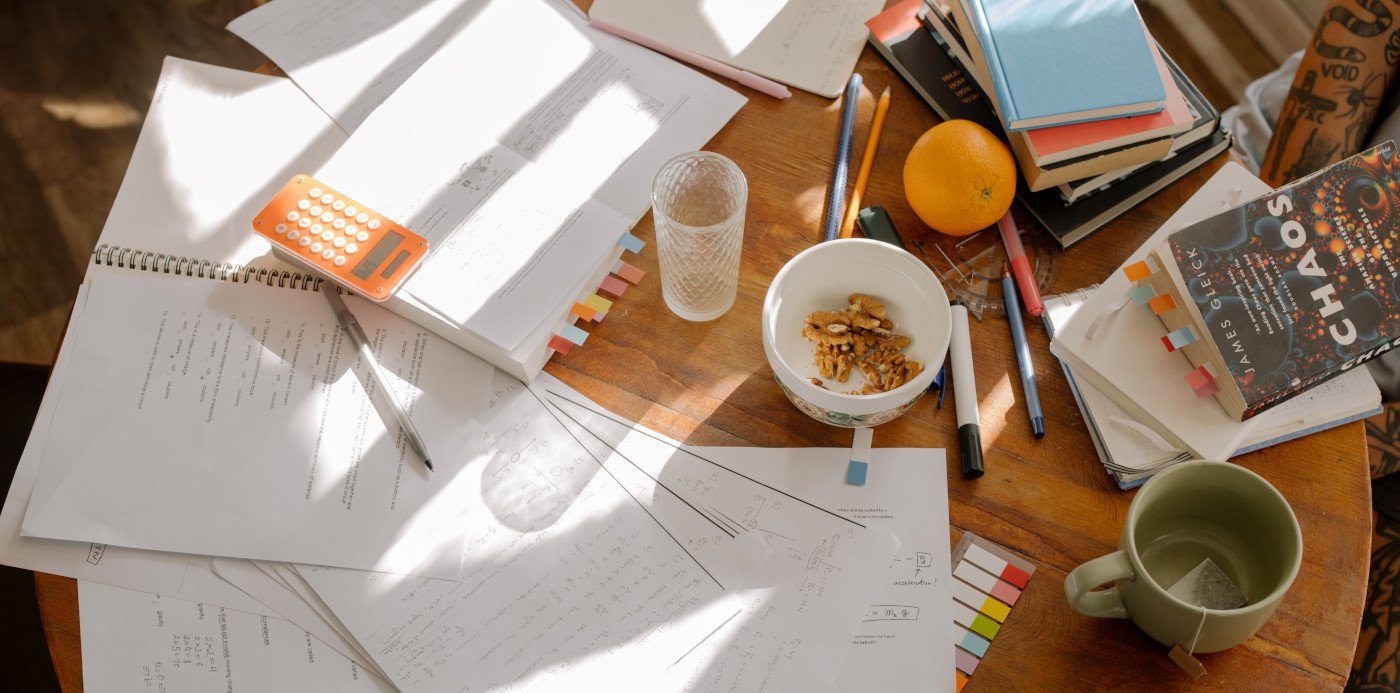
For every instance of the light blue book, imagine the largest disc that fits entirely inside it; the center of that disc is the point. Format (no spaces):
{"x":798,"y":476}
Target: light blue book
{"x":1054,"y":62}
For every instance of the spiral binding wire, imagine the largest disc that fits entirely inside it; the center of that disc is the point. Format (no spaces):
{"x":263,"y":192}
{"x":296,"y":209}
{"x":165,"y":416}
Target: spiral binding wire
{"x":148,"y":261}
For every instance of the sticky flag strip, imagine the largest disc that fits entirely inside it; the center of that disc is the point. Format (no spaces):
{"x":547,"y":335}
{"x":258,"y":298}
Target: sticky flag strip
{"x":584,"y":312}
{"x":1198,"y":378}
{"x":631,"y":243}
{"x":1207,"y":390}
{"x":1180,"y":338}
{"x":599,"y":305}
{"x":573,"y":334}
{"x":628,"y":272}
{"x":613,"y":285}
{"x":1142,"y":294}
{"x":1161,"y":304}
{"x":855,"y":473}
{"x":1137,"y":271}
{"x":560,"y":344}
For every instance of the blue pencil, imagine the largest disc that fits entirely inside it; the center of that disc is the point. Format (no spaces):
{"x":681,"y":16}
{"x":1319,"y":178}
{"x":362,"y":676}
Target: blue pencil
{"x":835,"y":206}
{"x":1023,"y":351}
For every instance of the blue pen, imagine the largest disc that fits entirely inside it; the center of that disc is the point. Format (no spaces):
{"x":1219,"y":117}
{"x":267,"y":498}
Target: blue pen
{"x":1023,"y":351}
{"x":837,"y":204}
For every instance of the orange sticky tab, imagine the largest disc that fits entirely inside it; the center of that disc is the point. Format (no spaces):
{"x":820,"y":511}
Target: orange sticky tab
{"x":584,"y":312}
{"x":613,"y":285}
{"x":628,"y":272}
{"x":1161,"y":304}
{"x":560,"y":344}
{"x":962,"y":680}
{"x":1137,"y":271}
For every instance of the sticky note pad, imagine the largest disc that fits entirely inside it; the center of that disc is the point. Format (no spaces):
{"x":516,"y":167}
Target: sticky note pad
{"x":560,"y":344}
{"x":598,"y":303}
{"x":1137,"y":271}
{"x":855,"y":473}
{"x":584,"y":312}
{"x":968,"y":595}
{"x":1142,"y":294}
{"x":622,"y":269}
{"x":1161,"y":304}
{"x":573,"y":334}
{"x":970,"y":642}
{"x":985,"y":582}
{"x":996,"y":566}
{"x":1199,"y":377}
{"x":631,"y":243}
{"x":613,"y":285}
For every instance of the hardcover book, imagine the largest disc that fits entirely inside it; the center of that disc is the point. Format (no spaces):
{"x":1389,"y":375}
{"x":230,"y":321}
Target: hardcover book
{"x":1290,"y":289}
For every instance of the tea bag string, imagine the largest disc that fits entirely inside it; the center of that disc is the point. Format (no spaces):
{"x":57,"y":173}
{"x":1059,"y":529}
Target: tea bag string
{"x":1195,"y":638}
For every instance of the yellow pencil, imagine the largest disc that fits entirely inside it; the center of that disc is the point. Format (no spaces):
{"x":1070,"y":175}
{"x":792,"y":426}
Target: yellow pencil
{"x":848,"y":223}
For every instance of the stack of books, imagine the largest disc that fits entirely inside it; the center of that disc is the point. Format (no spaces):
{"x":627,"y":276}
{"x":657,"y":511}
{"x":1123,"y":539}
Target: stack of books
{"x":1130,"y":124}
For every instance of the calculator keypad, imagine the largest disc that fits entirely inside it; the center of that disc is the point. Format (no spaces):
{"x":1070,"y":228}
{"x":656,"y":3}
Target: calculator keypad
{"x":325,"y":230}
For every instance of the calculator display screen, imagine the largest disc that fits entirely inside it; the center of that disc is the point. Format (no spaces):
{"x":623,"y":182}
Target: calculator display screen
{"x":375,"y":257}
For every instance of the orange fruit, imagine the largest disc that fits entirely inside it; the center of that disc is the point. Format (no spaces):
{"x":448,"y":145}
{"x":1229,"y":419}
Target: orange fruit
{"x":959,"y":178}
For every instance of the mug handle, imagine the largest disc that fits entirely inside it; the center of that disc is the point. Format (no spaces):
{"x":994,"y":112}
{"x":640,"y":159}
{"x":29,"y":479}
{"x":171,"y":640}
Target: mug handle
{"x":1104,"y":603}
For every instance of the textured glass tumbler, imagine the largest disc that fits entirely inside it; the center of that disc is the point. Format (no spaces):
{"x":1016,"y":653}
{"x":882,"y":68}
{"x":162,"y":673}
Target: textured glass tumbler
{"x":698,"y":204}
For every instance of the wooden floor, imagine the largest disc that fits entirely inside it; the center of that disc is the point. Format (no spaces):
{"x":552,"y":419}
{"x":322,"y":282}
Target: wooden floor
{"x":76,"y":77}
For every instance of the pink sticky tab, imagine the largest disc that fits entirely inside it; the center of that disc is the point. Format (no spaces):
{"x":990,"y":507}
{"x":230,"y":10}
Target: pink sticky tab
{"x":1137,"y":271}
{"x":1198,"y":378}
{"x":613,"y":285}
{"x":1207,"y":390}
{"x":560,"y":344}
{"x":628,"y":272}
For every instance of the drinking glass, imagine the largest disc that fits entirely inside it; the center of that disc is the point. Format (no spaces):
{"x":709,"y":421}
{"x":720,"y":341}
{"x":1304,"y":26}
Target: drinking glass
{"x":698,"y":204}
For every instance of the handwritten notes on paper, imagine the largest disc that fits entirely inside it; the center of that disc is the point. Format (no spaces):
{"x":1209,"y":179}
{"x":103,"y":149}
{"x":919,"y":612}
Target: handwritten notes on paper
{"x":236,"y":413}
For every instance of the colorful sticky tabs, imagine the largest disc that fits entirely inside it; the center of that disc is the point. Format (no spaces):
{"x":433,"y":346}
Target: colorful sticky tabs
{"x":1180,"y":338}
{"x":1142,"y":294}
{"x":965,"y":661}
{"x":1161,"y":304}
{"x":968,"y":595}
{"x":584,"y":312}
{"x":1207,"y":390}
{"x":1199,"y":377}
{"x":970,"y":642}
{"x":975,"y":622}
{"x":622,"y":269}
{"x":985,"y":582}
{"x":613,"y":285}
{"x":560,"y":344}
{"x":573,"y":334}
{"x":855,"y":473}
{"x":599,"y":305}
{"x":1137,"y":271}
{"x":997,"y":566}
{"x":631,"y":242}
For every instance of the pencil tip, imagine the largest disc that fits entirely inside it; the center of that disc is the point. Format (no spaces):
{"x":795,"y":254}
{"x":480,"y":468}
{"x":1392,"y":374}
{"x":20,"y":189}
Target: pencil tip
{"x":429,"y":464}
{"x":886,"y":92}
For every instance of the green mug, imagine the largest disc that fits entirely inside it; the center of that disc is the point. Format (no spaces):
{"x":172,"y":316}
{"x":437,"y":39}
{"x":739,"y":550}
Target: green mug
{"x":1182,"y":516}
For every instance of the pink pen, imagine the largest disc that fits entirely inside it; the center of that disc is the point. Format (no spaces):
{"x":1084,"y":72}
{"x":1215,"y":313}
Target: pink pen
{"x":1020,"y":265}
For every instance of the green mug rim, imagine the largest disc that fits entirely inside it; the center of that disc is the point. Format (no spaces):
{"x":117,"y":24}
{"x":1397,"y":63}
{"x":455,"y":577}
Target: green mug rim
{"x":1129,"y":544}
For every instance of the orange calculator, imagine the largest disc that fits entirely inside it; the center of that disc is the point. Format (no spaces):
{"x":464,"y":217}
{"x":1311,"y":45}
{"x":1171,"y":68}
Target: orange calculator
{"x":339,"y":238}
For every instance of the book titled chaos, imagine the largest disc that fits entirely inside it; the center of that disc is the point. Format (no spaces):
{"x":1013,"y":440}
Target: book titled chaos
{"x":1299,"y":285}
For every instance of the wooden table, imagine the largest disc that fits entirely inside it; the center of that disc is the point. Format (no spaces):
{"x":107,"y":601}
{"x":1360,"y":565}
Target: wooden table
{"x":709,"y":384}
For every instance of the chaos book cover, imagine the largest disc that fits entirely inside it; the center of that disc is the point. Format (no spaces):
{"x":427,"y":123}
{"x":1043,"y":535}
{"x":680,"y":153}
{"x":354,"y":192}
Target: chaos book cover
{"x":1301,"y":284}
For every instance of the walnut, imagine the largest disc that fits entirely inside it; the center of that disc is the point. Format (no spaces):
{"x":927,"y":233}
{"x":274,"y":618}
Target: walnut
{"x":818,"y":382}
{"x":872,"y":373}
{"x":859,"y":336}
{"x":868,"y":304}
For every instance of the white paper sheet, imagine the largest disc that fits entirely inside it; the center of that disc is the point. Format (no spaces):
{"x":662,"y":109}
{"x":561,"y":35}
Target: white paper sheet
{"x":567,"y":581}
{"x":214,"y":148}
{"x":231,"y":422}
{"x":134,"y":641}
{"x":807,"y":600}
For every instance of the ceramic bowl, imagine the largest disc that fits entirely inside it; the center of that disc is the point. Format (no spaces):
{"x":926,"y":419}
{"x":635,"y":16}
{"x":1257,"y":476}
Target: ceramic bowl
{"x":821,"y":278}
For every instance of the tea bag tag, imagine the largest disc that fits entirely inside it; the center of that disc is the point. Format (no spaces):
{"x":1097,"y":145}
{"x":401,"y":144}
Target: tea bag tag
{"x":1188,"y":664}
{"x":1207,"y":585}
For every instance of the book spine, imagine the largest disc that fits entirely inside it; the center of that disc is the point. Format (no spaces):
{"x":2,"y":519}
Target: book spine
{"x":982,"y":34}
{"x":149,"y":261}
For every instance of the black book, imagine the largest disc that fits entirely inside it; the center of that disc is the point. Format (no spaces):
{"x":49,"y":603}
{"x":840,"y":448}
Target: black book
{"x":917,"y":55}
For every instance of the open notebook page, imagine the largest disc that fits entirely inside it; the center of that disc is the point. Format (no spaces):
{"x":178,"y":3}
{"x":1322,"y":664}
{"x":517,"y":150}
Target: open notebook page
{"x":229,"y":419}
{"x":809,"y":44}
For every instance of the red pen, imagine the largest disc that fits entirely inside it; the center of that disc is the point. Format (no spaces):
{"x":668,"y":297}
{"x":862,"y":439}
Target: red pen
{"x":1020,"y":266}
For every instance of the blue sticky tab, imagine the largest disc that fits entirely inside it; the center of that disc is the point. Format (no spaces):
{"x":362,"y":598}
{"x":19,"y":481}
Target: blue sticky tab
{"x":855,"y":473}
{"x":573,"y":334}
{"x":631,"y":243}
{"x":1142,"y":294}
{"x":1181,"y":337}
{"x":974,"y":644}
